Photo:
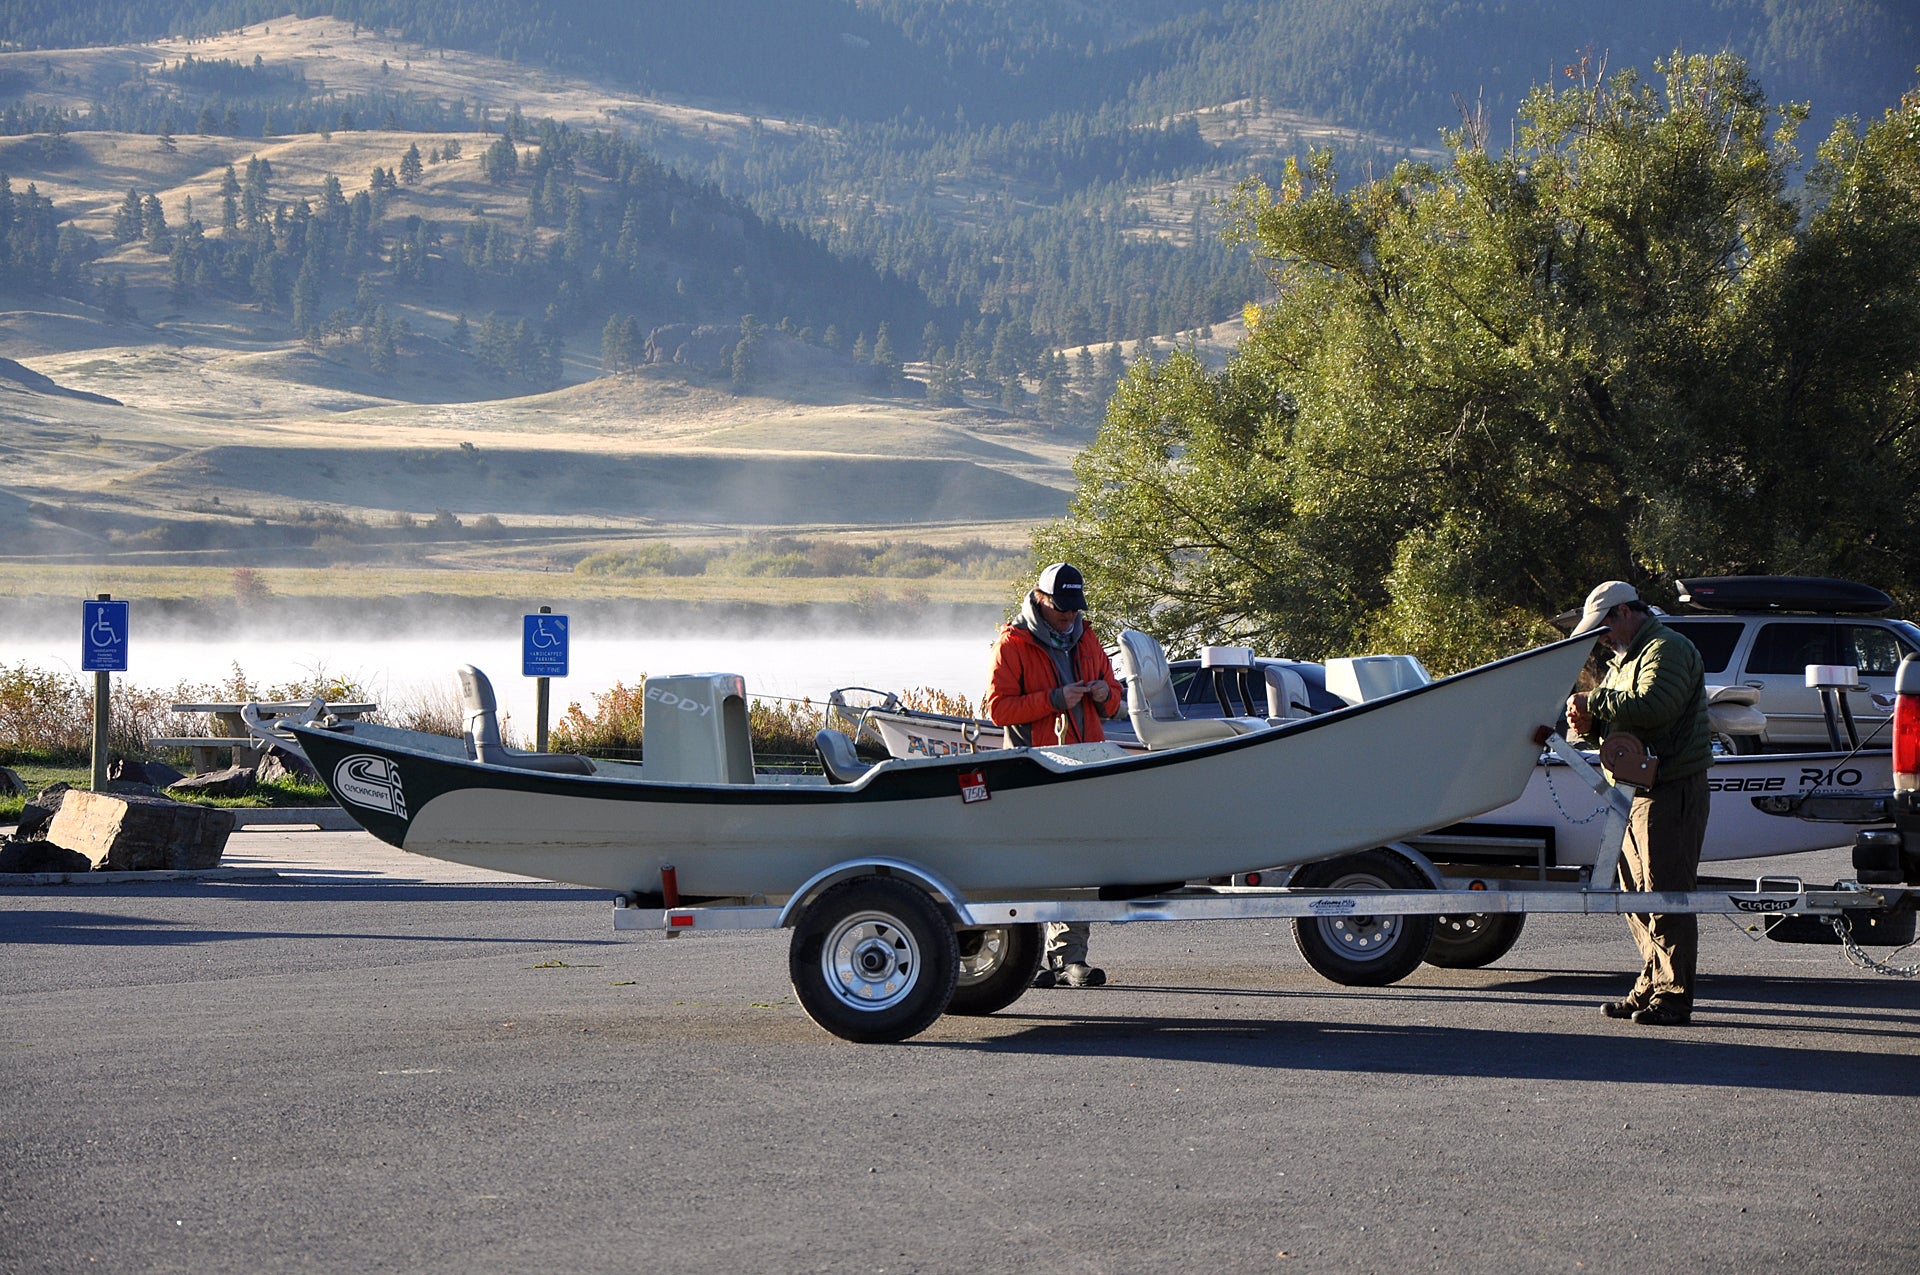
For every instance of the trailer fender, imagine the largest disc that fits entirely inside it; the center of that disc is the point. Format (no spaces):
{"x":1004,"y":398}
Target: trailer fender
{"x":949,"y":899}
{"x":1418,"y":860}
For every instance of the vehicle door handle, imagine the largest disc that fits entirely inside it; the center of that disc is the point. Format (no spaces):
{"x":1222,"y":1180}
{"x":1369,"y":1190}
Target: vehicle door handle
{"x":1758,"y":686}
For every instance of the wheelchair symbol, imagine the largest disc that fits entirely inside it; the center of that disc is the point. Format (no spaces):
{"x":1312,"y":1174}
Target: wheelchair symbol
{"x":101,"y":634}
{"x":542,"y":639}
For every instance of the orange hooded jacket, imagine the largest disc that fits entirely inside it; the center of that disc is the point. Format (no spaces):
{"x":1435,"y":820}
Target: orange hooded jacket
{"x":1020,"y":688}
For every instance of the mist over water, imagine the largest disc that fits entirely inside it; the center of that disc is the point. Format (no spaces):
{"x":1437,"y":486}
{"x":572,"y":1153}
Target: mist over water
{"x":790,"y":664}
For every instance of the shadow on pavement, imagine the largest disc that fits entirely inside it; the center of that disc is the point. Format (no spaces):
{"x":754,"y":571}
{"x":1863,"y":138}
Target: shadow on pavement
{"x":1680,"y":1056}
{"x":104,"y":929}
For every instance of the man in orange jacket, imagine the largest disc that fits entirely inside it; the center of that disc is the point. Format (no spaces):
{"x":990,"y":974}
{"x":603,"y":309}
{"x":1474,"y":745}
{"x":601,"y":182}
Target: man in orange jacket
{"x":1052,"y":683}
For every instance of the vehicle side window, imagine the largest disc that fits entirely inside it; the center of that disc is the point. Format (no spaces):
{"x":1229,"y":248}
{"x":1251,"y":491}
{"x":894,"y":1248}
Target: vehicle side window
{"x":1785,"y":647}
{"x":1876,"y":651}
{"x":1714,"y":640}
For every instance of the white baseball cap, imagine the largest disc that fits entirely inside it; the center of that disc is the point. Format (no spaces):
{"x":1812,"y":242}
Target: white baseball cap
{"x":1604,"y":598}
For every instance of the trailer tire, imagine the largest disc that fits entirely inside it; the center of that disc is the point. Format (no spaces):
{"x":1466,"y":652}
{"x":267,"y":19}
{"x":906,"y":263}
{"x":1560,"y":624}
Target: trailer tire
{"x":1357,"y":950}
{"x":996,"y":968}
{"x":1469,"y":940}
{"x":873,"y":960}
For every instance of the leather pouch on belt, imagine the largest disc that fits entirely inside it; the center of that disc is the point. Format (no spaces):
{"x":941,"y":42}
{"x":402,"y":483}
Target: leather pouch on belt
{"x":1628,"y":760}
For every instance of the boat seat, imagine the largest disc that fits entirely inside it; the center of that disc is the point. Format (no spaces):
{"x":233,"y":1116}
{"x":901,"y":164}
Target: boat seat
{"x":1286,"y":694}
{"x":484,"y":744}
{"x":1154,"y":708}
{"x":838,"y":758}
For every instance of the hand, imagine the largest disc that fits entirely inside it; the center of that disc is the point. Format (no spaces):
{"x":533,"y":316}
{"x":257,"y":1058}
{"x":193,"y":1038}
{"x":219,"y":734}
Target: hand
{"x":1577,"y":715}
{"x":1072,"y":693}
{"x":1098,"y":691}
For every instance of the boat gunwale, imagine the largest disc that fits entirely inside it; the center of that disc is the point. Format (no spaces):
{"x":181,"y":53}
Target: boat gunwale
{"x":880,"y":781}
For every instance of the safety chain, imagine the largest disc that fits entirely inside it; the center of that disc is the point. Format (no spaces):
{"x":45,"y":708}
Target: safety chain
{"x":1566,"y":814}
{"x":1857,"y":956}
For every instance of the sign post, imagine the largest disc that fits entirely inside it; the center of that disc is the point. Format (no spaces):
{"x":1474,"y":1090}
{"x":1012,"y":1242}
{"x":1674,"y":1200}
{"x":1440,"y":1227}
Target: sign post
{"x":103,"y":652}
{"x":543,"y":655}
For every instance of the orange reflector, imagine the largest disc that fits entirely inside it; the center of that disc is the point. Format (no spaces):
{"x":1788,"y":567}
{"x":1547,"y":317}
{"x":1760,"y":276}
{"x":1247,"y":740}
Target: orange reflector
{"x":1253,"y":878}
{"x":1476,"y":885}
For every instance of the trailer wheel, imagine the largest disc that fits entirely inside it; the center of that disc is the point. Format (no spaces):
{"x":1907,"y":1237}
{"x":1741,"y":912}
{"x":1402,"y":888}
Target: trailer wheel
{"x":996,"y":967}
{"x":873,"y":960}
{"x":1363,"y":950}
{"x":1469,"y":940}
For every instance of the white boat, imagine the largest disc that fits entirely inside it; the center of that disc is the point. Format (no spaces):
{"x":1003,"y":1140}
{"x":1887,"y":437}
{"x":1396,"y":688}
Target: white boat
{"x":994,"y":824}
{"x":1557,"y":813}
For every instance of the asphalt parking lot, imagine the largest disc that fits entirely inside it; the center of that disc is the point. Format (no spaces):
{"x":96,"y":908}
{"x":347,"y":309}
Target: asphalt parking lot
{"x":373,"y":1062}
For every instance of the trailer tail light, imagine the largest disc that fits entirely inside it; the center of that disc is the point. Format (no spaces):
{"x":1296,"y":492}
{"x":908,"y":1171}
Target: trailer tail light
{"x":1906,"y":726}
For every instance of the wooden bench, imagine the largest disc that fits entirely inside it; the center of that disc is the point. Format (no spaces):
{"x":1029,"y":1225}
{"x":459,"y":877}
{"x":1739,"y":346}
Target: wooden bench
{"x":230,"y":731}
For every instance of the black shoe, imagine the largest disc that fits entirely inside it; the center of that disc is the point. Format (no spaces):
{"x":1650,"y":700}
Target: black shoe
{"x":1080,"y":974}
{"x":1044,"y":977}
{"x":1622,"y":1009}
{"x":1663,"y":1014}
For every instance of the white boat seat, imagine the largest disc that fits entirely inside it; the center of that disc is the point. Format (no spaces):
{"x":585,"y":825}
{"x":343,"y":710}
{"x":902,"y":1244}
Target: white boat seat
{"x":484,"y":744}
{"x":1286,"y":694}
{"x":838,"y":758}
{"x":1154,"y":708}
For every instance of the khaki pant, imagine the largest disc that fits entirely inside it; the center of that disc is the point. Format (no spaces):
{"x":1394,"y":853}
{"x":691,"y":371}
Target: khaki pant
{"x":1662,"y":852}
{"x":1066,"y":944}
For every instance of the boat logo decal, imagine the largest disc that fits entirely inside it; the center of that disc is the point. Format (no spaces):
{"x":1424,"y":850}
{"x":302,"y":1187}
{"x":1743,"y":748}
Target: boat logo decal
{"x":1760,"y":905}
{"x":667,"y":699}
{"x":973,"y":786}
{"x":933,"y":746}
{"x":373,"y":782}
{"x":1334,"y":906}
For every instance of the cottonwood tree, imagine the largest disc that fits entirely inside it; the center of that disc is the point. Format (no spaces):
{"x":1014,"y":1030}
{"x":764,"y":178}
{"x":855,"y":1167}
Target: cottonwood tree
{"x":1621,"y":348}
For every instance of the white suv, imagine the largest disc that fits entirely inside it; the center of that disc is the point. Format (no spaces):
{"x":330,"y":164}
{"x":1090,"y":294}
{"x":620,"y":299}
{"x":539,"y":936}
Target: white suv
{"x":1750,"y":633}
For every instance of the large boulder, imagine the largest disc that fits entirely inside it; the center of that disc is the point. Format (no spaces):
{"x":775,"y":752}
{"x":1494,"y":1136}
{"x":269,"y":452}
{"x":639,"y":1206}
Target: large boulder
{"x":41,"y":856}
{"x":35,"y":815}
{"x":155,"y":774}
{"x":11,"y":785}
{"x":281,"y":764}
{"x":231,"y":782}
{"x":118,"y":832}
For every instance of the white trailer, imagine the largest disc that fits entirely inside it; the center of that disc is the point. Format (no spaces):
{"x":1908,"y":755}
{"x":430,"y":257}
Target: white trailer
{"x":882,"y":946}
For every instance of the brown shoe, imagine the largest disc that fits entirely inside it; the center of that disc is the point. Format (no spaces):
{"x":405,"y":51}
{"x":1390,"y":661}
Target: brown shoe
{"x":1663,"y":1014}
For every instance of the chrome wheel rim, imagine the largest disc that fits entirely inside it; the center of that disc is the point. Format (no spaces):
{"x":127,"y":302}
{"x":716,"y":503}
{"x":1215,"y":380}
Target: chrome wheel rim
{"x":985,"y":956}
{"x":870,"y":961}
{"x":1360,"y":938}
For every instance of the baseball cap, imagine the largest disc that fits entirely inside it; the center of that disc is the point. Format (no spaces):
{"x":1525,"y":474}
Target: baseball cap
{"x":1604,"y":598}
{"x":1063,"y":584}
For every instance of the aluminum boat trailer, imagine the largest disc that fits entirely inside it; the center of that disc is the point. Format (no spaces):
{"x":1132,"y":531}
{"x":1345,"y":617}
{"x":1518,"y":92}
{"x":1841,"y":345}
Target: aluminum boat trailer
{"x":882,"y":946}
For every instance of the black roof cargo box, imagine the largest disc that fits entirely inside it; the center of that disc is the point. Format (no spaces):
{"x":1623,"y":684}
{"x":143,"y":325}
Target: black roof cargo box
{"x":1781,"y":593}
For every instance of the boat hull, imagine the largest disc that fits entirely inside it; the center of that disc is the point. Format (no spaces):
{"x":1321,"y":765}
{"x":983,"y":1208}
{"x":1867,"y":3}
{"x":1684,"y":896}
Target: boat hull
{"x":1558,"y":805}
{"x":1017,"y":821}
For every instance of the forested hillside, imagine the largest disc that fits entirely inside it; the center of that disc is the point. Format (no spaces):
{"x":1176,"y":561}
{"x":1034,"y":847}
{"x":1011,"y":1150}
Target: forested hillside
{"x":986,"y":180}
{"x":1389,"y":66}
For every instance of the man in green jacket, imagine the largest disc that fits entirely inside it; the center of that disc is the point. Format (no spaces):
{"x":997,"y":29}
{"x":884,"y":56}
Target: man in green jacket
{"x":1656,"y":689}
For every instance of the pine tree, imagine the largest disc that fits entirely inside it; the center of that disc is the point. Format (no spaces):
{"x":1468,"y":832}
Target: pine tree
{"x":410,"y":166}
{"x":128,"y":220}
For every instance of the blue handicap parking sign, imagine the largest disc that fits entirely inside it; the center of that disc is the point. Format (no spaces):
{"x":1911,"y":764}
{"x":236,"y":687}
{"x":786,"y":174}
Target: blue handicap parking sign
{"x":103,"y":637}
{"x":543,"y":646}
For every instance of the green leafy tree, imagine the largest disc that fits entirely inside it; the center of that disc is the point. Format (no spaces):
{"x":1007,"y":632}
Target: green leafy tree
{"x":1614,"y":350}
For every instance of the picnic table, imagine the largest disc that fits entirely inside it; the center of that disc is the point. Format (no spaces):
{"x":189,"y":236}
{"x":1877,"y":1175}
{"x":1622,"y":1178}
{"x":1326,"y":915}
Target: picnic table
{"x":228,"y":730}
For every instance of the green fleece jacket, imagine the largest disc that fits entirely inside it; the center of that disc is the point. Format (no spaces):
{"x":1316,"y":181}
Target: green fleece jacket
{"x":1657,"y":689}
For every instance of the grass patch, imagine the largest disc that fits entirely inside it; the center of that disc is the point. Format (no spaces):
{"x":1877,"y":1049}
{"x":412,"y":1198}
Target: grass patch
{"x":283,"y":792}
